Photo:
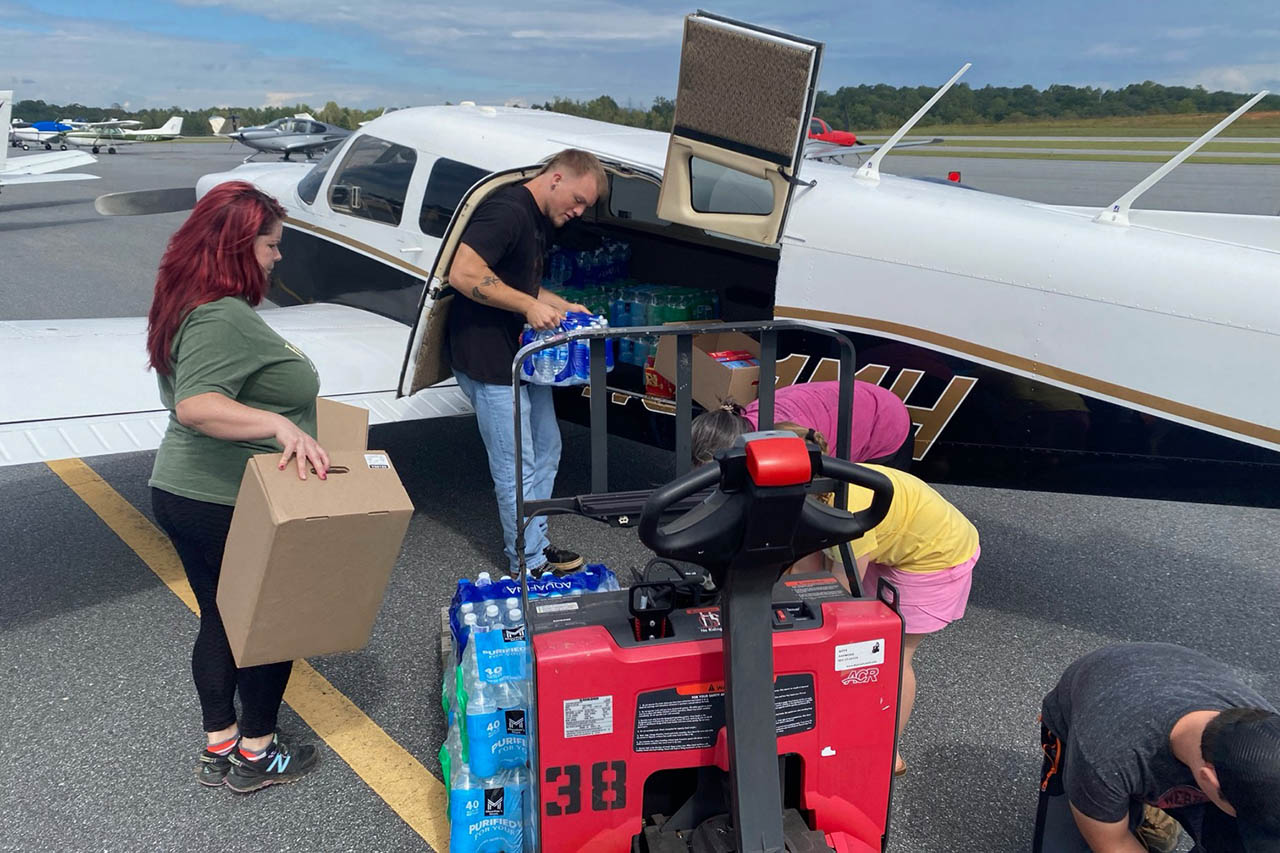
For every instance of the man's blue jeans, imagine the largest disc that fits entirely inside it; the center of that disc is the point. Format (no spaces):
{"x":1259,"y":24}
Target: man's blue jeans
{"x":540,"y":434}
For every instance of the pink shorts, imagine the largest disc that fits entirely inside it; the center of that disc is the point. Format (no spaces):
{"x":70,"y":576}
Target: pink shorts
{"x":929,"y":600}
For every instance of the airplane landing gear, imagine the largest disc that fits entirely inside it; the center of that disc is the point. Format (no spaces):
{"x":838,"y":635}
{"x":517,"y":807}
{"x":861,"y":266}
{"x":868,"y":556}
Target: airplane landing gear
{"x":62,"y":147}
{"x":48,"y":146}
{"x":95,"y":149}
{"x":26,"y":147}
{"x":111,"y":150}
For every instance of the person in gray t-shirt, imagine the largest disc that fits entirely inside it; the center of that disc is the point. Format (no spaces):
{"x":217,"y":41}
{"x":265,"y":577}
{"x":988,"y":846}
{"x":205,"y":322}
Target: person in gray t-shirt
{"x":1165,"y":726}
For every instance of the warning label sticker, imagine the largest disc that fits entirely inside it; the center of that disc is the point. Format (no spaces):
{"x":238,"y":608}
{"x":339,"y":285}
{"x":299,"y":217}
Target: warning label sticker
{"x":586,"y":717}
{"x":690,"y":716}
{"x":854,"y":655}
{"x":561,"y":607}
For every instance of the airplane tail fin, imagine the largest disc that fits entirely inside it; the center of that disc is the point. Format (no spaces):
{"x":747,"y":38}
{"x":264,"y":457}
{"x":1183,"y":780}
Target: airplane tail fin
{"x":173,"y":125}
{"x":6,"y":115}
{"x":217,"y":123}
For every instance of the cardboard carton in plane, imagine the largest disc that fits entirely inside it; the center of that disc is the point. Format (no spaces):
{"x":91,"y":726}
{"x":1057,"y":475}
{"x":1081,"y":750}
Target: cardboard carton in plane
{"x":713,"y":382}
{"x":307,"y":561}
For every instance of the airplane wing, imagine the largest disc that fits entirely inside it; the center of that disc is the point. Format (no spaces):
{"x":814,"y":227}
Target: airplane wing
{"x":305,"y":147}
{"x":95,"y":395}
{"x":833,"y":153}
{"x":39,"y":164}
{"x":115,"y":122}
{"x":10,"y":180}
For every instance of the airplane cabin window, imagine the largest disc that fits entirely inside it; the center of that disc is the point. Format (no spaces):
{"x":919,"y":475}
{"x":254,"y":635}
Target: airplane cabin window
{"x":815,"y":126}
{"x":717,"y":189}
{"x":635,"y":199}
{"x":447,"y":184}
{"x":373,"y":180}
{"x":309,"y":186}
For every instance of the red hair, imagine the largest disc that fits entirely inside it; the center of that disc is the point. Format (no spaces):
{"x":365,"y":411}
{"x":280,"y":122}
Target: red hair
{"x":210,"y":257}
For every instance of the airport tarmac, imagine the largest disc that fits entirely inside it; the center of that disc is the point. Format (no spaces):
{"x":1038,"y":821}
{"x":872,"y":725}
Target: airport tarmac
{"x":101,"y":723}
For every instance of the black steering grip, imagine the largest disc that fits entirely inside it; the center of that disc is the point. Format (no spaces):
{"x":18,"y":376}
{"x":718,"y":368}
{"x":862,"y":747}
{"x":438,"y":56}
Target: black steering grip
{"x":664,"y":496}
{"x":880,"y":486}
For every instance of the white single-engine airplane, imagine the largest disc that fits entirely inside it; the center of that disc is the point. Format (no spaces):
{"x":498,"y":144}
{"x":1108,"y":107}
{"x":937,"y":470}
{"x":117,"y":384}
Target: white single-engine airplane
{"x":38,"y":168}
{"x":1118,"y":351}
{"x":116,"y":132}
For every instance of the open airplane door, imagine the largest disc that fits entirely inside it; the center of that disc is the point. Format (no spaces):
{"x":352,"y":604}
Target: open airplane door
{"x":425,"y":363}
{"x":743,"y":104}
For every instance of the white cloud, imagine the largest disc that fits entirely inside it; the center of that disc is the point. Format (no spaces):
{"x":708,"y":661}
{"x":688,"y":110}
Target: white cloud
{"x":1238,"y":78}
{"x":1110,"y":50}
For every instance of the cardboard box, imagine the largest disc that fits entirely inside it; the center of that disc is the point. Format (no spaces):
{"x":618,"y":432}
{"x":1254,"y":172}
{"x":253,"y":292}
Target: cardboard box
{"x":655,"y":385}
{"x":341,"y":427}
{"x":307,"y":561}
{"x":713,"y":382}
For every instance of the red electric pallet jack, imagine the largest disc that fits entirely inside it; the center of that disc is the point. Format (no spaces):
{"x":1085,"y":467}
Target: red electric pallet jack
{"x":653,"y":730}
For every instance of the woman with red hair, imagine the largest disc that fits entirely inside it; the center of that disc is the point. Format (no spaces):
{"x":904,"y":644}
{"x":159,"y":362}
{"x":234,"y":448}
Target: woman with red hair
{"x":234,"y":389}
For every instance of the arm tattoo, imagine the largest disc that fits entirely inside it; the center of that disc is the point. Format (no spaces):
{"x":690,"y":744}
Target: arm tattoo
{"x":477,"y":293}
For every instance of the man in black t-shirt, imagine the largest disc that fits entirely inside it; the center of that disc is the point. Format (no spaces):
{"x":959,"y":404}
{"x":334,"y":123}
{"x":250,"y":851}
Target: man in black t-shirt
{"x":497,"y":273}
{"x":1157,"y":725}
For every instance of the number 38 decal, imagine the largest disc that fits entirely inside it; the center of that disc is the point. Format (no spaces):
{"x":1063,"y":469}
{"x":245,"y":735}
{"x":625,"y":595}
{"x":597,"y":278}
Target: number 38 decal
{"x":568,"y":793}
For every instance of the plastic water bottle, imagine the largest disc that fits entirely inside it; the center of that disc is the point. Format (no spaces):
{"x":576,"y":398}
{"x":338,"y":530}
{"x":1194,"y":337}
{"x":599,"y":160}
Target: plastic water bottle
{"x":516,"y":781}
{"x":492,"y":616}
{"x":513,"y":603}
{"x":483,"y":580}
{"x":466,"y":807}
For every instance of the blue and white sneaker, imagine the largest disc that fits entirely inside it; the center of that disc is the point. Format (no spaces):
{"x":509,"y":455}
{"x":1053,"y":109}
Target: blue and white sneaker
{"x":280,"y":762}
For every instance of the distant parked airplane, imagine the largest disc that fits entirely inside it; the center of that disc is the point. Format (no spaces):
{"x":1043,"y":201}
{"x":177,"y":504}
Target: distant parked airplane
{"x":36,"y":168}
{"x":116,"y":132}
{"x":47,"y":133}
{"x":300,"y":134}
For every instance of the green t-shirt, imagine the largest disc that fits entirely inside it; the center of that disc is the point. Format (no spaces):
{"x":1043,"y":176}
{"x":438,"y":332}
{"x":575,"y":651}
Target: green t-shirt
{"x":224,"y":346}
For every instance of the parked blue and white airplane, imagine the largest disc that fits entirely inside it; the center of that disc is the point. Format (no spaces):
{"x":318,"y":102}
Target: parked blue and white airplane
{"x":47,"y":133}
{"x":38,"y":168}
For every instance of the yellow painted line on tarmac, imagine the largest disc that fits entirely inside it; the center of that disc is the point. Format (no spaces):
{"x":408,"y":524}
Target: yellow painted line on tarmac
{"x":385,"y":766}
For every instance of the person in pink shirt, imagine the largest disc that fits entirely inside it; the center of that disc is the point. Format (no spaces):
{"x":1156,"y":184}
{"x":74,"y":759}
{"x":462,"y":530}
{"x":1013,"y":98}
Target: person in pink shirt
{"x":881,"y":426}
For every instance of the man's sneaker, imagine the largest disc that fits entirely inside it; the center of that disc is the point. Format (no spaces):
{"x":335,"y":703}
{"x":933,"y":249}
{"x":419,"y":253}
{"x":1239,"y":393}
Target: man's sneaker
{"x":213,"y":768}
{"x":281,"y":762}
{"x":561,"y":561}
{"x":1159,"y":832}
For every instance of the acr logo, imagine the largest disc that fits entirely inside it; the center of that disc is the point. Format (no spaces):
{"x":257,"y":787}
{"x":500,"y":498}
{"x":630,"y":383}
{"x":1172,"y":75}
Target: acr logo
{"x":866,"y":675}
{"x":515,"y":722}
{"x":493,"y":801}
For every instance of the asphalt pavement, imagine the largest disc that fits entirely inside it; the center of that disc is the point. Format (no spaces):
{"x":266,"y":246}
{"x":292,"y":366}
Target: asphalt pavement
{"x":101,"y":723}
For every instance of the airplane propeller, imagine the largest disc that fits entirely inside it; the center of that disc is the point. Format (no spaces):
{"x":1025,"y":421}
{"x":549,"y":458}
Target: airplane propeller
{"x":141,"y":202}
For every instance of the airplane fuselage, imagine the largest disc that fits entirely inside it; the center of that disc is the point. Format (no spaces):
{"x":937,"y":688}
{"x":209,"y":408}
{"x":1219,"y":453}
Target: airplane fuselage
{"x":1033,"y":345}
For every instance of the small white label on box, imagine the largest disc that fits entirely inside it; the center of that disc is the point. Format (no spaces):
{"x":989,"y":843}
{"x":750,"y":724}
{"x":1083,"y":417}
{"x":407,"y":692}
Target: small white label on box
{"x":586,"y":717}
{"x":377,"y":460}
{"x":854,"y":655}
{"x":556,"y":608}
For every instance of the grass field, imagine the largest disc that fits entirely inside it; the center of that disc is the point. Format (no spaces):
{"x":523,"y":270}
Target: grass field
{"x":1251,"y":124}
{"x":1154,"y":157}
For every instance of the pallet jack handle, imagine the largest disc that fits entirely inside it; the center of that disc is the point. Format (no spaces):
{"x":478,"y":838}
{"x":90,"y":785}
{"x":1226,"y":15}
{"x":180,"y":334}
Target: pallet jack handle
{"x":756,"y":523}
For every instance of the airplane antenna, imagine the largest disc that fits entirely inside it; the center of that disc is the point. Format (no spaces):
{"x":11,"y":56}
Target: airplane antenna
{"x":871,"y":169}
{"x":1118,"y":213}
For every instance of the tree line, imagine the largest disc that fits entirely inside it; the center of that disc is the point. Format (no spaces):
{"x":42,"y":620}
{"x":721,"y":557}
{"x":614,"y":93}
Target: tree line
{"x":858,"y":108}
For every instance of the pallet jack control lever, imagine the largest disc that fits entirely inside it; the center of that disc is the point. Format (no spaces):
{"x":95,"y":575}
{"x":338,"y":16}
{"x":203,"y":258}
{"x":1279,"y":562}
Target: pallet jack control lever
{"x":757,"y":516}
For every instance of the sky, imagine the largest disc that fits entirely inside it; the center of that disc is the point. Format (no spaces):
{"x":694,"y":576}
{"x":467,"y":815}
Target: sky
{"x":369,"y":53}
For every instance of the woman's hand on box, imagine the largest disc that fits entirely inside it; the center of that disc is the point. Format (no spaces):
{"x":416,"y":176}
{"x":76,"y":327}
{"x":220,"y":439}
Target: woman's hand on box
{"x":302,"y":448}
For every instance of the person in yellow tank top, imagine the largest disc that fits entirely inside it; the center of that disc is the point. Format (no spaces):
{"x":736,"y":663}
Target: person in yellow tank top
{"x":924,"y":546}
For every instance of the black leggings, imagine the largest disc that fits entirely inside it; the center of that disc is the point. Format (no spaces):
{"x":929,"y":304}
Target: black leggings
{"x":198,"y":530}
